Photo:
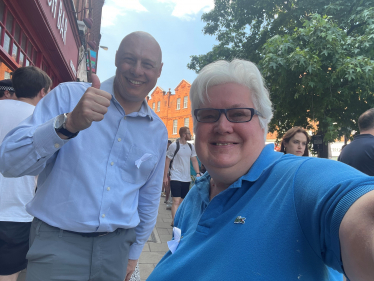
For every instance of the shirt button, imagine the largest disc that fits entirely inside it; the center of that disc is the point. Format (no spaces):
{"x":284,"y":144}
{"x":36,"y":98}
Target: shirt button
{"x":103,"y":215}
{"x":108,"y":188}
{"x":124,"y":117}
{"x":119,"y":139}
{"x":57,"y":145}
{"x":111,"y":163}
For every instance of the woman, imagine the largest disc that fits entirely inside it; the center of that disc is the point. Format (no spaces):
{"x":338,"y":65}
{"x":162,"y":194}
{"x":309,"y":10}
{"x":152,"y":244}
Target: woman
{"x":295,"y":141}
{"x":256,"y":214}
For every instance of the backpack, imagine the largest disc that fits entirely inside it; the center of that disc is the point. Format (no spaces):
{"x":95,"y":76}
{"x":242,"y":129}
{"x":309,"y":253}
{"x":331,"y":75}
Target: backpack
{"x":176,"y":151}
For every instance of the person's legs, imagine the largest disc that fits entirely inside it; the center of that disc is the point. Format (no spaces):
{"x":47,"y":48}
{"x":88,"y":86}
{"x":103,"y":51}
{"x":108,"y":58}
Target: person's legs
{"x":175,"y":187}
{"x":167,"y":192}
{"x":14,"y":241}
{"x":176,"y":202}
{"x":56,"y":254}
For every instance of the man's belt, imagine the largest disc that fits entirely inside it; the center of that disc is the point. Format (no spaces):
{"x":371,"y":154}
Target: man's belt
{"x":89,"y":234}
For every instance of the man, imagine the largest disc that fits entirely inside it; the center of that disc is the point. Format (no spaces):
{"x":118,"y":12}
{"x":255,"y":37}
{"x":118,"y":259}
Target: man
{"x":7,"y":90}
{"x":179,"y":155}
{"x":258,"y":214}
{"x":32,"y":84}
{"x":100,"y":182}
{"x":360,"y":152}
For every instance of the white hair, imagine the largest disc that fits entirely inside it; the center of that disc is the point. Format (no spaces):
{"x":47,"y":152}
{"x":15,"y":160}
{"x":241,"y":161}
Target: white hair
{"x":237,"y":71}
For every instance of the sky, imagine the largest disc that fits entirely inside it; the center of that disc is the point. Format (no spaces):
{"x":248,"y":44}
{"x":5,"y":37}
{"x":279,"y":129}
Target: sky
{"x":175,"y":24}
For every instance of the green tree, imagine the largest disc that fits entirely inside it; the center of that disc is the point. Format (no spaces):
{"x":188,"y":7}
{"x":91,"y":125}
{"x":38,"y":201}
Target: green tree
{"x":316,"y":56}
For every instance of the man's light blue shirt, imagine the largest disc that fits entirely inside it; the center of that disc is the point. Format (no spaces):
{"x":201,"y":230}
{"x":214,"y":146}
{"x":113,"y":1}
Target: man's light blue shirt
{"x":93,"y":182}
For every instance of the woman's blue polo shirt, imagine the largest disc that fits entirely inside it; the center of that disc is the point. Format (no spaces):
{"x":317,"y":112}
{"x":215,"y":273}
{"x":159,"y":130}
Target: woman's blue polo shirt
{"x":280,"y":221}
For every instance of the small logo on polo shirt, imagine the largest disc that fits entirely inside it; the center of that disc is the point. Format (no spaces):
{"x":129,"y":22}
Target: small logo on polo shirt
{"x":240,"y":219}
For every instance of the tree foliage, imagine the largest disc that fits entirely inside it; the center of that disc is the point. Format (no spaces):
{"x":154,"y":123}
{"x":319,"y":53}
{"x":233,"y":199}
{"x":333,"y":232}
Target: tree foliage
{"x":316,"y":56}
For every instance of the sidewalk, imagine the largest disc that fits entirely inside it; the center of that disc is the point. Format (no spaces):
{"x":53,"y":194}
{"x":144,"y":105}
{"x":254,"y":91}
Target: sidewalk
{"x":154,"y":249}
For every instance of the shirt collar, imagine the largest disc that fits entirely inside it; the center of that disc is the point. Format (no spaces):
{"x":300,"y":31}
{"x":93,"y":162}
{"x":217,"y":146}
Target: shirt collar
{"x":265,"y":160}
{"x":144,"y":110}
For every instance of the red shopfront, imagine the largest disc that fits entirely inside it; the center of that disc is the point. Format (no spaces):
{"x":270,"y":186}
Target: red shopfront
{"x":43,"y":33}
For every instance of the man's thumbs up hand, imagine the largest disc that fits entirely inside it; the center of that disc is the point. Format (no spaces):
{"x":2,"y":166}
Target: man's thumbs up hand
{"x":92,"y":106}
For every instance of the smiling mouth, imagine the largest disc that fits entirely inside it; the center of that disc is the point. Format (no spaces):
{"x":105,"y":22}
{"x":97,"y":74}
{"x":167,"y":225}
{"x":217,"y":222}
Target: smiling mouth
{"x":135,"y":82}
{"x":222,"y":144}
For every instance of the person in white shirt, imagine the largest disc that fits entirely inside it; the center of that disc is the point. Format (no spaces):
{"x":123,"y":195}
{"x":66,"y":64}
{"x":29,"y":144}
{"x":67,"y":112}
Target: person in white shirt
{"x":179,"y":155}
{"x":31,"y":84}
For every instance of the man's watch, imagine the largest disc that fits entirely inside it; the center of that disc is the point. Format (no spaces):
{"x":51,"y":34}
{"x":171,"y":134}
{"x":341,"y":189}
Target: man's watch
{"x":60,"y":126}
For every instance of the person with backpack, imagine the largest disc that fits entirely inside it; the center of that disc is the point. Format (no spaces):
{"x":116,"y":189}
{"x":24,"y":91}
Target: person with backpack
{"x":177,"y":162}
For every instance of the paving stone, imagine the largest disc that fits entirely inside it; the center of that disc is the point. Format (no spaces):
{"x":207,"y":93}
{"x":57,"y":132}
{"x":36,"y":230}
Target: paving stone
{"x":162,"y":231}
{"x":159,"y":247}
{"x":146,"y":247}
{"x":151,"y":257}
{"x":165,"y":238}
{"x":145,"y":270}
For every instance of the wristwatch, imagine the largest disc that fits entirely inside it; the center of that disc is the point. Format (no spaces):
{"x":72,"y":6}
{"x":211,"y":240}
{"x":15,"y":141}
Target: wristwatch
{"x":60,"y":126}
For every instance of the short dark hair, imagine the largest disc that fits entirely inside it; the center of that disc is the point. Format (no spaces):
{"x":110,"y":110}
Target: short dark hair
{"x":29,"y":80}
{"x":169,"y":141}
{"x":366,"y":120}
{"x":289,"y":134}
{"x":183,"y":130}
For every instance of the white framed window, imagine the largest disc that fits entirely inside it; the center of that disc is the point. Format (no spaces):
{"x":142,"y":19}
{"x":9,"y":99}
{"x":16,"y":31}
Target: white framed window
{"x":153,"y":106}
{"x":158,"y":106}
{"x":186,"y":122}
{"x":7,"y":75}
{"x":185,"y":102}
{"x":175,"y":127}
{"x":178,"y":103}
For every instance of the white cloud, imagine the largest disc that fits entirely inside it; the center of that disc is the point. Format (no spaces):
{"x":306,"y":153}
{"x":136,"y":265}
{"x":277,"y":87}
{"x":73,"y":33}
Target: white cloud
{"x":188,"y":9}
{"x":114,"y":8}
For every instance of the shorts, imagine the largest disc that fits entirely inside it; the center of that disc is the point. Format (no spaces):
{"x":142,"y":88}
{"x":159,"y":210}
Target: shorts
{"x":179,"y":188}
{"x":14,"y":245}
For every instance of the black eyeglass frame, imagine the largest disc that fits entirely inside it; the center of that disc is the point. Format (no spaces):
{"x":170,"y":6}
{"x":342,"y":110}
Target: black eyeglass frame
{"x":224,"y":111}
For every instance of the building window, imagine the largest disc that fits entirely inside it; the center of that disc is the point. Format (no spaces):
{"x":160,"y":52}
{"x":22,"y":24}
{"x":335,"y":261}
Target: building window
{"x":153,"y":106}
{"x":178,"y":103}
{"x":175,"y":127}
{"x":186,"y":122}
{"x":15,"y":41}
{"x":185,"y":102}
{"x":158,"y":106}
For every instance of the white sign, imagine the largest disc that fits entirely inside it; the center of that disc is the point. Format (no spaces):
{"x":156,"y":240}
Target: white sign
{"x":62,"y":21}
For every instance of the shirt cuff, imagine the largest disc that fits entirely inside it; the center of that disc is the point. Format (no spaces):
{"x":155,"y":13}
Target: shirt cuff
{"x":135,"y":251}
{"x":46,"y":140}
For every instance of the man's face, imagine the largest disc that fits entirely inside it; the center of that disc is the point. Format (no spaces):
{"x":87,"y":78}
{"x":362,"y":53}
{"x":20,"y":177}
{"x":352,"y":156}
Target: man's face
{"x":226,"y":146}
{"x":138,"y":63}
{"x":188,"y":135}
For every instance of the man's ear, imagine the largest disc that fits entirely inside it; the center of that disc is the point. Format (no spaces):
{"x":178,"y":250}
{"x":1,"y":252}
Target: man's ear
{"x":159,"y":73}
{"x":42,"y":93}
{"x":7,"y":94}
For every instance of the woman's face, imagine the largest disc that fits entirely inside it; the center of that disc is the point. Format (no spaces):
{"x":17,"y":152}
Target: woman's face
{"x":296,"y":145}
{"x":224,"y":146}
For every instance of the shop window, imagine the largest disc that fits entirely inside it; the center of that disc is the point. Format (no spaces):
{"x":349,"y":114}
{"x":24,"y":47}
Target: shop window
{"x":21,"y":58}
{"x":14,"y":51}
{"x":23,"y":42}
{"x":6,"y":42}
{"x":34,"y":57}
{"x":175,"y":127}
{"x":9,"y":22}
{"x":1,"y":10}
{"x":17,"y":33}
{"x":29,"y":50}
{"x":27,"y":63}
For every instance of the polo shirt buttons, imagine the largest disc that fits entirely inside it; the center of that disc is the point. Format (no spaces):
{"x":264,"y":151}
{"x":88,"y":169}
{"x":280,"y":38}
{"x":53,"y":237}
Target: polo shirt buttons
{"x":103,"y":215}
{"x":108,"y":188}
{"x":57,"y":145}
{"x":119,"y":139}
{"x":111,"y":163}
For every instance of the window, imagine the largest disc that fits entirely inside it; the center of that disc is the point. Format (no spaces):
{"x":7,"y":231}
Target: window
{"x":7,"y":75}
{"x":186,"y":122}
{"x":158,"y":106}
{"x":178,"y":103}
{"x":175,"y":127}
{"x":15,"y":41}
{"x":153,"y":106}
{"x":185,"y":102}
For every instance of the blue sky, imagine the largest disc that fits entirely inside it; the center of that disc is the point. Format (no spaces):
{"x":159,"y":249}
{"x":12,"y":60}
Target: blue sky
{"x":176,"y":25}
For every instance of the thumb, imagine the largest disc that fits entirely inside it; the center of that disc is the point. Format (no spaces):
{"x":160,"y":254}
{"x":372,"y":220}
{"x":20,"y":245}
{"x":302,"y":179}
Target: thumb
{"x":95,"y":81}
